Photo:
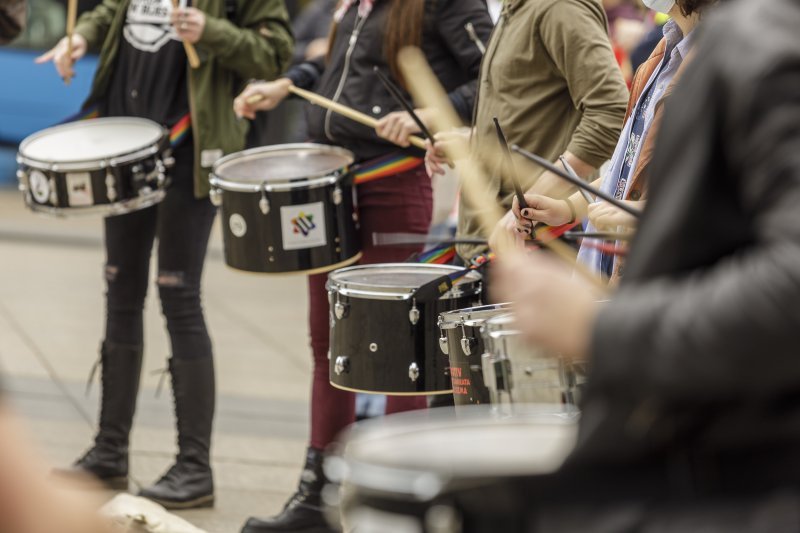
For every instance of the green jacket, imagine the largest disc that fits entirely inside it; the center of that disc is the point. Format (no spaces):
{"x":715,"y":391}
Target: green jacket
{"x":258,"y":44}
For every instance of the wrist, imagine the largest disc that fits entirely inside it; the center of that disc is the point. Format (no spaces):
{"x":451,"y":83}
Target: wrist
{"x":573,"y":214}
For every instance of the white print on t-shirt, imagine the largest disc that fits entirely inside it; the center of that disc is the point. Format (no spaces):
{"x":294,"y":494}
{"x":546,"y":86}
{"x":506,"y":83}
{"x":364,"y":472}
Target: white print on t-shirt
{"x":147,"y":26}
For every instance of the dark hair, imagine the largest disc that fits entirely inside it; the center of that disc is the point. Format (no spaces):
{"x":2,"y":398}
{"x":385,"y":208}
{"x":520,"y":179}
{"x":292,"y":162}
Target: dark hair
{"x":403,"y":28}
{"x":690,"y":7}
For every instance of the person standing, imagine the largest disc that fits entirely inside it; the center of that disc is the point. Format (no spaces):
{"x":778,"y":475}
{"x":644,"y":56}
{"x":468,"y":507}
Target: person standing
{"x":692,"y":399}
{"x":143,"y":72}
{"x":369,"y":34}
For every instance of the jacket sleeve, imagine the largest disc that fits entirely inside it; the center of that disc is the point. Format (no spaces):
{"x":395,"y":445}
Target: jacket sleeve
{"x":260,"y":46}
{"x":728,"y":331}
{"x":305,"y":75}
{"x":575,"y":37}
{"x":93,"y":25}
{"x":452,"y":16}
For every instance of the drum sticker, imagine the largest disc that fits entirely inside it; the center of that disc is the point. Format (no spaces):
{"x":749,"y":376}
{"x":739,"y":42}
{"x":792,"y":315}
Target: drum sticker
{"x":238,"y":225}
{"x":79,"y":189}
{"x":303,"y":226}
{"x":40,"y":188}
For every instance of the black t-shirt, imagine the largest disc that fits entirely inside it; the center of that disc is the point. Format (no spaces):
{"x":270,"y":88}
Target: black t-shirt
{"x":149,"y":79}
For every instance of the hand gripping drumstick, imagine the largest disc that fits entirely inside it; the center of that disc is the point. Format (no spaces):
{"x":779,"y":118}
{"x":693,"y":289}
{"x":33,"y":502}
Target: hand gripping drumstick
{"x":427,"y":90}
{"x":191,"y":52}
{"x":348,"y":112}
{"x":394,"y":90}
{"x":72,"y":15}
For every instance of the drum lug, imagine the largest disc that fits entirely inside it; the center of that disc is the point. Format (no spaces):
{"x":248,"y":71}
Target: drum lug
{"x":337,"y":195}
{"x":443,"y":344}
{"x":53,"y":194}
{"x":215,"y":195}
{"x":111,"y":189}
{"x":468,"y":344}
{"x":169,"y":161}
{"x":413,"y":314}
{"x":413,"y":372}
{"x":341,"y":310}
{"x":263,"y":204}
{"x":342,"y":365}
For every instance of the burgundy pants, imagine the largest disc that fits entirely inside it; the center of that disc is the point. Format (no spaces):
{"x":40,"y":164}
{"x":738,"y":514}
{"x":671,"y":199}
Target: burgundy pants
{"x":401,"y":203}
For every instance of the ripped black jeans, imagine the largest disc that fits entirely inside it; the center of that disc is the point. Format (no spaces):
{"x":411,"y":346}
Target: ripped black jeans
{"x":182,"y":225}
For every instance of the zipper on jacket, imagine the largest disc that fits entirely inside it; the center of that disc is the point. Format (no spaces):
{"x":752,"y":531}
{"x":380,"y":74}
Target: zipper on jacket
{"x":350,"y":48}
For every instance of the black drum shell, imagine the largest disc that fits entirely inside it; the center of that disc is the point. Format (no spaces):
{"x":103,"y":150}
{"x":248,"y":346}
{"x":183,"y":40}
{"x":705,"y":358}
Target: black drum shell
{"x":398,"y":344}
{"x":261,"y":250}
{"x":132,"y":182}
{"x":468,"y":385}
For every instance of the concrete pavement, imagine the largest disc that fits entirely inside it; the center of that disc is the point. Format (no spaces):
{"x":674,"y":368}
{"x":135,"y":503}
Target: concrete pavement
{"x":51,"y":323}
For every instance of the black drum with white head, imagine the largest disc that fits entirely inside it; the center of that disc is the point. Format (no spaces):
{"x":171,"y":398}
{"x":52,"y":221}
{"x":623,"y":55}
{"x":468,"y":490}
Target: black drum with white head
{"x":287,"y":208}
{"x":419,"y":472}
{"x":382,"y":339}
{"x":108,"y":166}
{"x":461,"y":340}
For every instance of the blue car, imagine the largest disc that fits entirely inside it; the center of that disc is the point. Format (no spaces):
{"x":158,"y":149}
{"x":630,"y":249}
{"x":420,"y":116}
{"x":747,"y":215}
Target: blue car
{"x":33,"y":97}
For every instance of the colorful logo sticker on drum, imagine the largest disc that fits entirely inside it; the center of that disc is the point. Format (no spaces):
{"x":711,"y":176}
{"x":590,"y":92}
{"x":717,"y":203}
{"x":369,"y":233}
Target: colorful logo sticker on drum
{"x":79,"y":189}
{"x":238,"y":225}
{"x":40,"y":188}
{"x":303,"y":226}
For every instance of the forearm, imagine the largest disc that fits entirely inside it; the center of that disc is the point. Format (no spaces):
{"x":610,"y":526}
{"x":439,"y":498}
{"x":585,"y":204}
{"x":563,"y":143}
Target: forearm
{"x":549,"y":184}
{"x":93,"y":25}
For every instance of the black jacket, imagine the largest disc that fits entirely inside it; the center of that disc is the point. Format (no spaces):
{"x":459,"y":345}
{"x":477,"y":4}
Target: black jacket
{"x":698,"y":355}
{"x":454,"y":57}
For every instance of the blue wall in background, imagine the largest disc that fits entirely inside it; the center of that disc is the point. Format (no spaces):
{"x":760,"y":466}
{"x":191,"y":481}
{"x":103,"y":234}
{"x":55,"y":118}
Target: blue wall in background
{"x":33,"y":97}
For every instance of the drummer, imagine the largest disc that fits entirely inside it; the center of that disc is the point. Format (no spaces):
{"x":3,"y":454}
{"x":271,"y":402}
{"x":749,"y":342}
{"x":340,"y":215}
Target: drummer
{"x":691,"y":417}
{"x":562,"y":49}
{"x":626,"y":178}
{"x":365,"y":35}
{"x":143,"y":72}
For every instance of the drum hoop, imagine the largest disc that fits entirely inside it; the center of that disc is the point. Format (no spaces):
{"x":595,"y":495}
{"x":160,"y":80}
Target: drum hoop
{"x":313,"y":181}
{"x":89,"y":165}
{"x":453,"y":319}
{"x":118,"y":208}
{"x":373,"y":292}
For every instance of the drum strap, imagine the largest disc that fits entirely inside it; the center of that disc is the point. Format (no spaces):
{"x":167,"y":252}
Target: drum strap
{"x":384,"y":167}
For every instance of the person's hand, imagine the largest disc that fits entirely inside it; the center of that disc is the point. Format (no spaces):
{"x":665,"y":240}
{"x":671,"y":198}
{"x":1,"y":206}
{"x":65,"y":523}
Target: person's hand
{"x":397,"y":127}
{"x":606,"y":217}
{"x":542,"y":209}
{"x":505,"y":232}
{"x":58,"y":55}
{"x":317,"y":48}
{"x":189,"y":23}
{"x":446,"y":142}
{"x":261,"y":96}
{"x":553,"y":308}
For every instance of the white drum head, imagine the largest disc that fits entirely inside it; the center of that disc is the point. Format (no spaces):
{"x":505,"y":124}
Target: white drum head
{"x":395,"y":278}
{"x":91,"y":140}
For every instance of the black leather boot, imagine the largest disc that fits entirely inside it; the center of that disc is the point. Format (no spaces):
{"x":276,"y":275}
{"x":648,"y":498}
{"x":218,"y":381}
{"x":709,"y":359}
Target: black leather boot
{"x":303,"y":512}
{"x":189,"y":482}
{"x":107,"y":460}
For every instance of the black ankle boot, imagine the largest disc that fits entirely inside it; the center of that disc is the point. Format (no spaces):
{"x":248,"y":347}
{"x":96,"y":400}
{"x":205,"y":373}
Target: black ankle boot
{"x":303,"y":512}
{"x":107,"y":460}
{"x":189,"y":482}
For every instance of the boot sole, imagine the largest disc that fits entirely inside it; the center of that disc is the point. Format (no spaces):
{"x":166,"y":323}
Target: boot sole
{"x":198,"y":503}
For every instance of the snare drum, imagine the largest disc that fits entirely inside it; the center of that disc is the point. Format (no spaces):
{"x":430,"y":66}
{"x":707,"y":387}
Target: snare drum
{"x":287,"y":208}
{"x":108,"y":166}
{"x":461,"y":340}
{"x":518,"y":372}
{"x":410,"y":472}
{"x":382,"y":339}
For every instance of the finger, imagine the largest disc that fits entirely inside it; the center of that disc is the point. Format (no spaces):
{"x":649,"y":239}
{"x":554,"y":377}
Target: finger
{"x":47,"y":56}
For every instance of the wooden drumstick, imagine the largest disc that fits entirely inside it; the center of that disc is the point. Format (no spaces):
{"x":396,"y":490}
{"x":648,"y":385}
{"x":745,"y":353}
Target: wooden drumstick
{"x":429,"y":93}
{"x":340,"y":109}
{"x":72,"y":15}
{"x":191,"y":52}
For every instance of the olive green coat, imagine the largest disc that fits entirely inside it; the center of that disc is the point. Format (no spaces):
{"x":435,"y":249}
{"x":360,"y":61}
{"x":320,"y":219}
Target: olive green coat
{"x":257,"y":45}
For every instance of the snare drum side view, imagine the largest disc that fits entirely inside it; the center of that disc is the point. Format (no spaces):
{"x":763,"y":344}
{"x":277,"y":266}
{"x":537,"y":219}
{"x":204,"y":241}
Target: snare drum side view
{"x":287,"y":209}
{"x":461,"y":340}
{"x":383,"y":340}
{"x":107,"y":166}
{"x":518,"y":372}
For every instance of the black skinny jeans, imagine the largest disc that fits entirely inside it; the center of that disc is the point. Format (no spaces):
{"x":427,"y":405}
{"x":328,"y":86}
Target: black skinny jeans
{"x":182,"y":224}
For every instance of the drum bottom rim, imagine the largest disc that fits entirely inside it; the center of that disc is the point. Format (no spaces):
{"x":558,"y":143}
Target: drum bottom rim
{"x":309,"y":272}
{"x":389,"y":393}
{"x":124,"y":207}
